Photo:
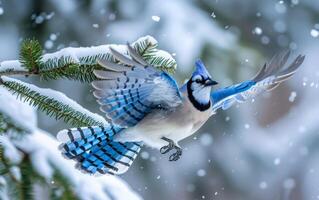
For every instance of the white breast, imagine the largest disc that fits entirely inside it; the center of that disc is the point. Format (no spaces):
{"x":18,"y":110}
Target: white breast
{"x":177,"y":125}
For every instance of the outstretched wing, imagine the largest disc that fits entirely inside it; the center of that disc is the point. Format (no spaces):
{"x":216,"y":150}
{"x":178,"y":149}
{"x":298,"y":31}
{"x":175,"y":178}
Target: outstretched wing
{"x":268,"y":78}
{"x":130,"y":88}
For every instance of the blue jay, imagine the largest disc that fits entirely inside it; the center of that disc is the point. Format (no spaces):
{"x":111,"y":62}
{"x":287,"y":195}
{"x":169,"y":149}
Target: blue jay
{"x":146,"y":106}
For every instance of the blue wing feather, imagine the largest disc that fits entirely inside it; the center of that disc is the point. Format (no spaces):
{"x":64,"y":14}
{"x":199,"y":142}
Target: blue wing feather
{"x":95,"y":150}
{"x":269,"y":77}
{"x":127,"y":95}
{"x":220,"y":94}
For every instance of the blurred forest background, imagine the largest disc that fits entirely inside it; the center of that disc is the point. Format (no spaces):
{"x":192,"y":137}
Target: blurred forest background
{"x":264,"y":149}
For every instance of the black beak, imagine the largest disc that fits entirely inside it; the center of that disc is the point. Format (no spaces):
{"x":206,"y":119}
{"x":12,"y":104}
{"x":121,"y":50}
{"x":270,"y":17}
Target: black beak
{"x":210,"y":82}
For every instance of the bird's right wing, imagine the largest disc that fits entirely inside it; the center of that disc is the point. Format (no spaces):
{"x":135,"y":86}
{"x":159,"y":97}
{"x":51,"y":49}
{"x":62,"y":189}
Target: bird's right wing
{"x":131,"y":88}
{"x":268,"y":78}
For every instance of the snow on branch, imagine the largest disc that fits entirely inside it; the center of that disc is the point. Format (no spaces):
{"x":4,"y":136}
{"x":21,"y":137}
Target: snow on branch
{"x":78,"y":63}
{"x":40,"y":150}
{"x":52,"y":102}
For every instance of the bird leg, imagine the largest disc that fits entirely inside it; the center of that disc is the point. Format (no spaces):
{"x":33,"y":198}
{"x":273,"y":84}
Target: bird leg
{"x":171,"y":145}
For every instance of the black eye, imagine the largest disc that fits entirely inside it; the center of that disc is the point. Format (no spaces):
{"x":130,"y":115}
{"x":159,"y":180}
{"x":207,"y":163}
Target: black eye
{"x":198,"y":80}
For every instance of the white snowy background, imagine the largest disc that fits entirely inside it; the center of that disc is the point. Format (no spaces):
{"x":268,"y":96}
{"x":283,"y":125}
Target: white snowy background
{"x":264,"y":149}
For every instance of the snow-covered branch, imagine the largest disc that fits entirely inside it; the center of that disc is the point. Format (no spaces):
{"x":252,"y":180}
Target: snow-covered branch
{"x":77,"y":63}
{"x":42,"y":151}
{"x":54,"y":103}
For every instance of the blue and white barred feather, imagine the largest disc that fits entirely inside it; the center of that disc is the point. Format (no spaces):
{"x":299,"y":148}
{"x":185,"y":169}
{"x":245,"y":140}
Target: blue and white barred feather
{"x":95,"y":151}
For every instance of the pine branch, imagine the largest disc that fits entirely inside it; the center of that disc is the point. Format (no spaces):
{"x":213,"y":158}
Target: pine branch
{"x":52,"y":107}
{"x":69,"y":70}
{"x":79,"y":63}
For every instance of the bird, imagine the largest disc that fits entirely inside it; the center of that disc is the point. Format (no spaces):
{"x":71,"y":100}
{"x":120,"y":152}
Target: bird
{"x":145,"y":106}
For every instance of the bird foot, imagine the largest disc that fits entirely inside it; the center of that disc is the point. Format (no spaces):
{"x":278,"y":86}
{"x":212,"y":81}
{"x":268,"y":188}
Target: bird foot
{"x":177,"y":155}
{"x":171,"y":145}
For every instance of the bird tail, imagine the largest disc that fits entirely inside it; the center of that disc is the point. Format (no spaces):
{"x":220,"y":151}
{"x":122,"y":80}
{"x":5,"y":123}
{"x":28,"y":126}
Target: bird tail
{"x":95,"y":151}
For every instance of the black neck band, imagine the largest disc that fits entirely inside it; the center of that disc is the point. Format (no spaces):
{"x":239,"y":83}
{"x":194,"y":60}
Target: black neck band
{"x":196,"y":104}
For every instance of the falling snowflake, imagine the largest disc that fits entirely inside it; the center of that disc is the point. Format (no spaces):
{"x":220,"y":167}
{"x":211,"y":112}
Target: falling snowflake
{"x":206,"y":139}
{"x":247,"y":126}
{"x":156,"y":18}
{"x":95,"y":25}
{"x":277,"y":161}
{"x":292,"y":96}
{"x":314,"y":33}
{"x":257,"y":30}
{"x":53,"y":37}
{"x":48,"y":44}
{"x":145,"y":155}
{"x":201,"y":172}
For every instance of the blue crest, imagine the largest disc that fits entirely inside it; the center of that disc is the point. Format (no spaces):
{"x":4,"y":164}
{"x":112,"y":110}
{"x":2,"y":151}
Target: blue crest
{"x":201,"y":69}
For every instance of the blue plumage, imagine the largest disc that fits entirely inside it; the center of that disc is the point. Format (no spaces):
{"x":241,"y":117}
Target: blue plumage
{"x":222,"y":93}
{"x":201,"y":69}
{"x":146,"y":105}
{"x":268,"y":78}
{"x":110,"y":157}
{"x":95,"y":150}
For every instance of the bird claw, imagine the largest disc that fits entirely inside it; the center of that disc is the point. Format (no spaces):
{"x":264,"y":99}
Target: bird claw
{"x":177,"y":155}
{"x":165,"y":149}
{"x":171,"y":145}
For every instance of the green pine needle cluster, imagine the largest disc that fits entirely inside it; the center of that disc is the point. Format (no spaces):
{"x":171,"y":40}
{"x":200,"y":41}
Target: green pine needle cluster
{"x":30,"y":55}
{"x":153,"y":56}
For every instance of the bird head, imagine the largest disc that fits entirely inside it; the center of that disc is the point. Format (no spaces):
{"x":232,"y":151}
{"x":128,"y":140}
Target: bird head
{"x":200,"y":84}
{"x":201,"y":76}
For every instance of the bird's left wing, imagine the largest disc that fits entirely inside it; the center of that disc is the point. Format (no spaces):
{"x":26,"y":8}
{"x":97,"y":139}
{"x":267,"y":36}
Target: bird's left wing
{"x":268,"y":78}
{"x":130,"y":88}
